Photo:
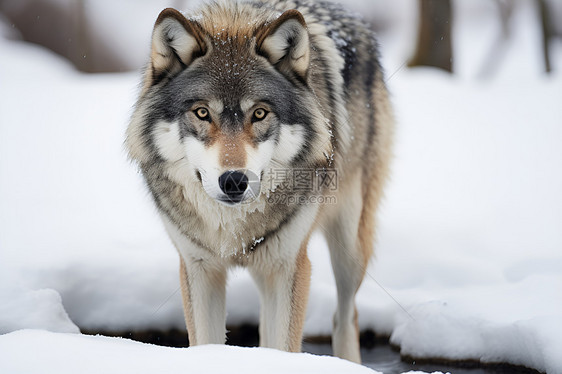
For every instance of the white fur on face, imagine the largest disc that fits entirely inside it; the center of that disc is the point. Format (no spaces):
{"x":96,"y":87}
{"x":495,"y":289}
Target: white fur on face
{"x":167,"y":139}
{"x":217,"y":106}
{"x":246,"y":104}
{"x":258,"y":158}
{"x":205,"y":160}
{"x":291,"y":140}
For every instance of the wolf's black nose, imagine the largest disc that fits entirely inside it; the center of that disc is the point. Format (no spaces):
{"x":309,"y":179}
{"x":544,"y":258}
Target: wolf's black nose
{"x":233,"y":183}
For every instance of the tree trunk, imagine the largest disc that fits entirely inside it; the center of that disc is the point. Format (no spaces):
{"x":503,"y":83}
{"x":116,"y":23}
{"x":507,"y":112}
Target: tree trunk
{"x":434,"y":35}
{"x":546,"y":33}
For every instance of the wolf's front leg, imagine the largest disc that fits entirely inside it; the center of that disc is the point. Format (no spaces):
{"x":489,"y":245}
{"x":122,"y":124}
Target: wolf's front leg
{"x":284,"y":285}
{"x":203,"y":292}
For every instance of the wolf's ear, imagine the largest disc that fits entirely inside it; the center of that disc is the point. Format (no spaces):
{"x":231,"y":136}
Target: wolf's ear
{"x":176,"y":42}
{"x":285,"y":43}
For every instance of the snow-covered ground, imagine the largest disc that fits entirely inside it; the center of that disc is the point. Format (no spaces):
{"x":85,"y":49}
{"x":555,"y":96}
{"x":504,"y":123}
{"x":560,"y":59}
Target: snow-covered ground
{"x":32,"y":351}
{"x":469,"y":250}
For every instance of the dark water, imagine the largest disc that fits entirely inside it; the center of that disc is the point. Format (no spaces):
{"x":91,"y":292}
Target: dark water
{"x":384,"y":359}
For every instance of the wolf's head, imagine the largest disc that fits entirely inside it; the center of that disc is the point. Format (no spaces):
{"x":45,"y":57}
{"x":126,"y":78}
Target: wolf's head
{"x":226,"y":98}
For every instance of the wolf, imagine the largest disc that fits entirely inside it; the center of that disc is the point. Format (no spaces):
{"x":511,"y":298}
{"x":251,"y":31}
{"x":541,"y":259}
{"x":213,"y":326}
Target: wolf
{"x":246,"y":110}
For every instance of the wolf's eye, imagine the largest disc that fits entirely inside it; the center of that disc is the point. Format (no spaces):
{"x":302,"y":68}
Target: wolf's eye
{"x":259,"y":114}
{"x":202,"y":114}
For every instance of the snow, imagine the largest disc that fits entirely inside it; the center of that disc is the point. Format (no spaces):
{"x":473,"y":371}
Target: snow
{"x":23,"y":308}
{"x":468,"y":263}
{"x":72,"y":353}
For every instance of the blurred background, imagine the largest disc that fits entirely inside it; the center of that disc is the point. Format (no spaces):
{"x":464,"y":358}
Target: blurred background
{"x":108,"y":36}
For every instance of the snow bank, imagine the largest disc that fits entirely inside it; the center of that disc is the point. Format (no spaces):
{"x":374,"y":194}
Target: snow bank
{"x":442,"y":330}
{"x":22,"y":308}
{"x":32,"y":351}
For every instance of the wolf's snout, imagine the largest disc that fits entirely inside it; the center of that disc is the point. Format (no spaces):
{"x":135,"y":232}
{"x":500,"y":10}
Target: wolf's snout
{"x":233,"y":183}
